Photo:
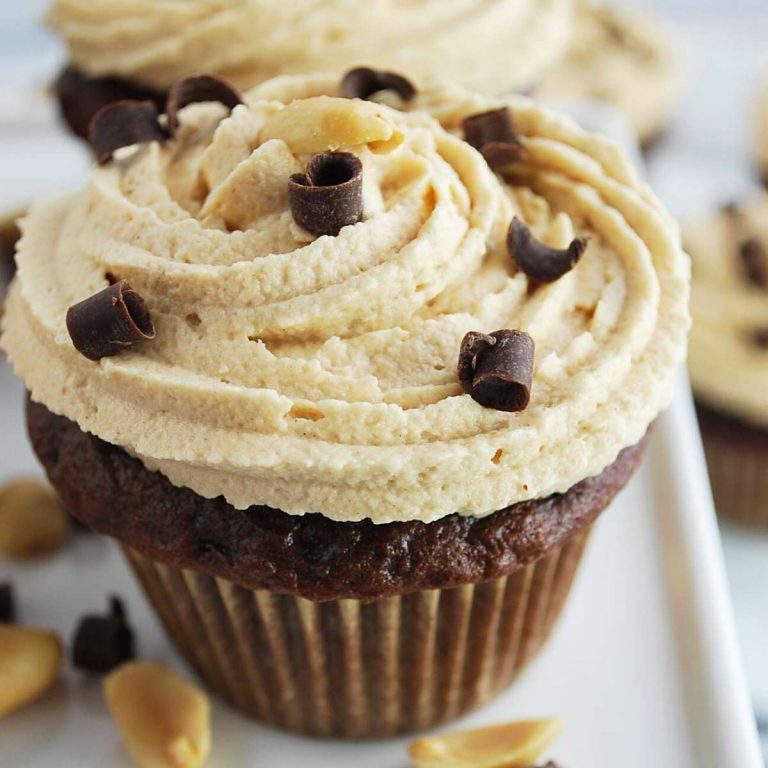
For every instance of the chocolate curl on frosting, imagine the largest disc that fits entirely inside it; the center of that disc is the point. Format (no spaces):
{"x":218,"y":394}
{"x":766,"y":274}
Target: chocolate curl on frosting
{"x":329,"y":195}
{"x":123,"y":124}
{"x":363,"y":82}
{"x":754,"y":259}
{"x":496,"y":370}
{"x":539,"y":261}
{"x":109,"y":321}
{"x":196,"y":89}
{"x":494,"y":135}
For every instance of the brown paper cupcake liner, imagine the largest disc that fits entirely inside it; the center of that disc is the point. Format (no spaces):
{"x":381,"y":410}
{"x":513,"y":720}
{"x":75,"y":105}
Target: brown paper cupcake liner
{"x":737,"y":460}
{"x":352,"y":669}
{"x":738,"y":471}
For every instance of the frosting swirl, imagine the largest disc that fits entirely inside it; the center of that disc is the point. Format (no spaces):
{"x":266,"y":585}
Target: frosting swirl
{"x":319,"y":374}
{"x":492,"y":45}
{"x":729,"y":370}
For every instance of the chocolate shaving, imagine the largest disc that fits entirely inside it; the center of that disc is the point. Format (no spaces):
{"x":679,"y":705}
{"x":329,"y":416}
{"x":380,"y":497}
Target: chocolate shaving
{"x":7,"y":603}
{"x":496,"y":370}
{"x":329,"y":195}
{"x":363,"y":82}
{"x":494,"y":135}
{"x":537,"y":260}
{"x":196,"y":89}
{"x":123,"y":124}
{"x":109,"y":321}
{"x":759,"y":338}
{"x":754,"y":259}
{"x":103,"y":642}
{"x":9,"y":236}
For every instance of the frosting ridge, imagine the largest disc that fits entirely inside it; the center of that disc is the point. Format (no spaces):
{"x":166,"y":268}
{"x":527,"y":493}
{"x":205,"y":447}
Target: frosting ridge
{"x":319,"y":374}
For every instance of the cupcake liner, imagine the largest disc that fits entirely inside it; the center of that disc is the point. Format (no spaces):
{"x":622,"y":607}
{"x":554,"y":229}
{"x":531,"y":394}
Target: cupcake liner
{"x":738,"y":470}
{"x":347,"y":668}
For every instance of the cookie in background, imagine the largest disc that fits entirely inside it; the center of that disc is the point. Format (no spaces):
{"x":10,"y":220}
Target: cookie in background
{"x":728,"y":354}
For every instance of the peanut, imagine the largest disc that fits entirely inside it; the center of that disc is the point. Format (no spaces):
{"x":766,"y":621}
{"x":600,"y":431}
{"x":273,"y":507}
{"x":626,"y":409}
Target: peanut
{"x":164,"y":720}
{"x":32,"y":522}
{"x":498,"y":746}
{"x":323,"y":122}
{"x":30,"y":660}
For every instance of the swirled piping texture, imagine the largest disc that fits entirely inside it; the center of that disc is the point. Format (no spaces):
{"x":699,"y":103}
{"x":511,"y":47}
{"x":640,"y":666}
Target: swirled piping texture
{"x":319,"y":374}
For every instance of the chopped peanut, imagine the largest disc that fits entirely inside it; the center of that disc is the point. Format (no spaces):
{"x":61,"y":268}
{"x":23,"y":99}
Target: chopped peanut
{"x":325,"y":123}
{"x":512,"y":745}
{"x":164,"y":720}
{"x":32,"y":521}
{"x":30,"y":660}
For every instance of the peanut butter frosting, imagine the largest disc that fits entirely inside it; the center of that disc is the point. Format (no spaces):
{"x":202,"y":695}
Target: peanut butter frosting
{"x":728,"y":358}
{"x":491,"y":45}
{"x":319,"y":374}
{"x":622,"y":57}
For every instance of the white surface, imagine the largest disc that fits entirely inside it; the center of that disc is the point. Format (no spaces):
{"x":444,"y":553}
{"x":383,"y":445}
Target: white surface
{"x":643,"y":667}
{"x":707,"y":159}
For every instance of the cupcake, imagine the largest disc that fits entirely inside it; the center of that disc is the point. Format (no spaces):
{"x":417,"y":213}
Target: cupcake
{"x":624,"y":58}
{"x":349,"y":399}
{"x":139,"y":49}
{"x":729,"y":354}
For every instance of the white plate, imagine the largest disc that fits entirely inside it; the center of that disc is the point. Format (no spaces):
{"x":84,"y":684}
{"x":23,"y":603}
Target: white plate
{"x":643,"y":667}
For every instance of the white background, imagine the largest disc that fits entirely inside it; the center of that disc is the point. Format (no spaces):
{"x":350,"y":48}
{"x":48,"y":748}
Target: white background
{"x":705,"y":160}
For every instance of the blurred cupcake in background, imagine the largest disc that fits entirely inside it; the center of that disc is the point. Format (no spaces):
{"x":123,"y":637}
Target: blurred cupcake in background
{"x":138,"y":48}
{"x":728,"y":356}
{"x":624,"y":58}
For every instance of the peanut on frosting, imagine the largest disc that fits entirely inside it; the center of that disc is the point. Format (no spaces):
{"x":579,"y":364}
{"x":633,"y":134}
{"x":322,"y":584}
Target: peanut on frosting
{"x":318,"y":374}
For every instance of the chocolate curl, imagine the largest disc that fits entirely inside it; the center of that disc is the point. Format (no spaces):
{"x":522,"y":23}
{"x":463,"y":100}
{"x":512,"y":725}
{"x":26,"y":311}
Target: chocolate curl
{"x":103,"y":642}
{"x":196,"y":89}
{"x":109,"y":321}
{"x":363,"y":82}
{"x":329,"y":195}
{"x":759,"y":338}
{"x":496,"y":370}
{"x":754,"y":260}
{"x":494,"y":135}
{"x":7,"y":603}
{"x":537,"y":260}
{"x":123,"y":124}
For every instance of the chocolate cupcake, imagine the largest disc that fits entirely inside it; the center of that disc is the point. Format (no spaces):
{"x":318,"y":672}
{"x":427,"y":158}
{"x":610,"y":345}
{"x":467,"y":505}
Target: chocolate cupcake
{"x":349,"y":399}
{"x":729,"y":354}
{"x":139,"y":49}
{"x":624,"y":58}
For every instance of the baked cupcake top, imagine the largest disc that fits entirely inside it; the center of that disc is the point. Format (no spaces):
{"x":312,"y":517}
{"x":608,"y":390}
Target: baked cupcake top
{"x":320,"y":373}
{"x":728,"y":356}
{"x":491,"y":45}
{"x":625,"y":58}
